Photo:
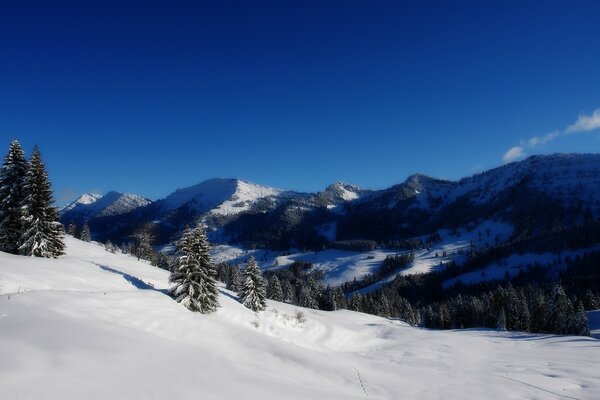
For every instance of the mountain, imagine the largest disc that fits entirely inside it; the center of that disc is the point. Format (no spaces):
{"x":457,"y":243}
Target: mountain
{"x":110,"y":332}
{"x":84,"y":199}
{"x":90,"y":205}
{"x":218,"y":196}
{"x":533,"y":195}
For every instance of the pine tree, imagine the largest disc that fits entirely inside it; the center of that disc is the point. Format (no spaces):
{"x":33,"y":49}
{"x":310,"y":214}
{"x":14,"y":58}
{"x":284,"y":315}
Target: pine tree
{"x":193,"y":273}
{"x":86,"y":235}
{"x":12,"y":177}
{"x":580,"y":321}
{"x":355,"y":303}
{"x":274,"y":290}
{"x":559,"y":311}
{"x":42,"y":235}
{"x":383,"y":306}
{"x":501,"y":324}
{"x":72,"y":229}
{"x":253,"y":292}
{"x":235,"y":279}
{"x":307,"y":298}
{"x":288,"y":292}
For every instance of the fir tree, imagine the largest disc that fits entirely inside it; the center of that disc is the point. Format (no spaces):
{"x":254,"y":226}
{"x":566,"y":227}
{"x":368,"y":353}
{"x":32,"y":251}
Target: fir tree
{"x":288,"y":292}
{"x":193,"y":273}
{"x":12,"y":177}
{"x":253,"y":292}
{"x":42,"y":235}
{"x":72,"y":229}
{"x":383,"y":306}
{"x":355,"y":302}
{"x":307,"y":298}
{"x":274,"y":290}
{"x":86,"y":235}
{"x":235,"y":279}
{"x":559,"y":311}
{"x":580,"y":321}
{"x":501,"y":324}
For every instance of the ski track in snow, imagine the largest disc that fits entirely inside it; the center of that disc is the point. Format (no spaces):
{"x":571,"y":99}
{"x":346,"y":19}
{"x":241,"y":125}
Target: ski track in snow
{"x":536,"y":387}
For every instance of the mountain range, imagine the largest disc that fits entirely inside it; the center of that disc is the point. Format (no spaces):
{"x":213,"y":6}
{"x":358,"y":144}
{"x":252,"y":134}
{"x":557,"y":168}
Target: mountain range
{"x":533,"y":195}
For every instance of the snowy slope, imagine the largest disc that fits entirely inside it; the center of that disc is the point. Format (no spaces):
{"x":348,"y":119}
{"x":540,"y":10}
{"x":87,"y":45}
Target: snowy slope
{"x":90,"y":326}
{"x":220,"y":196}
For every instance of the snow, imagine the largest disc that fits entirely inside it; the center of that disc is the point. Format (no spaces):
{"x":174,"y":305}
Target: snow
{"x":72,"y":329}
{"x":340,"y":266}
{"x":220,"y":196}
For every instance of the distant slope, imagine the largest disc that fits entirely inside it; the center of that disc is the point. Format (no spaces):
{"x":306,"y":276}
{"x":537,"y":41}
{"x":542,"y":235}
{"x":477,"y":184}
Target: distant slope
{"x":107,"y":333}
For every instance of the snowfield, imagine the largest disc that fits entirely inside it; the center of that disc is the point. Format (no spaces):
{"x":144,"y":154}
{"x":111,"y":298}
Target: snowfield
{"x":97,"y":325}
{"x":340,"y":266}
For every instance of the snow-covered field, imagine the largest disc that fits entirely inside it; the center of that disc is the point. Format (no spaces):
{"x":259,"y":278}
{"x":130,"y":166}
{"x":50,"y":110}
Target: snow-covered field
{"x":97,"y":325}
{"x":341,"y":266}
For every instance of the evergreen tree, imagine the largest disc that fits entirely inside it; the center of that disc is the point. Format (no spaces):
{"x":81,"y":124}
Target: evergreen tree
{"x":307,"y":298}
{"x":501,"y":324}
{"x":12,"y":177}
{"x":235,"y":279}
{"x":253,"y":293}
{"x":288,"y":292}
{"x":41,"y":235}
{"x":383,"y":306}
{"x":274,"y":290}
{"x":580,"y":321}
{"x":355,"y":303}
{"x":144,"y":238}
{"x":86,"y":235}
{"x":193,"y":273}
{"x":559,"y":311}
{"x":72,"y":229}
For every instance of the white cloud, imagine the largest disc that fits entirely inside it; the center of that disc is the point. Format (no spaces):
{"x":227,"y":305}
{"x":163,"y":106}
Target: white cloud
{"x":541,"y":140}
{"x":585,"y":123}
{"x":513,"y":154}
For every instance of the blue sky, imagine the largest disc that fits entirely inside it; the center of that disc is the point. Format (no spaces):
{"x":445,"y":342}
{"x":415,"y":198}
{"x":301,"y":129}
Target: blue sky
{"x":150,"y":97}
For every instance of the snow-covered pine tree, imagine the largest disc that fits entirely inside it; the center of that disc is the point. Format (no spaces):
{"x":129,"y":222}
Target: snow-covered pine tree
{"x":253,"y":292}
{"x":193,"y":273}
{"x":42,"y":235}
{"x":12,"y":177}
{"x":274,"y":290}
{"x":501,"y":324}
{"x":355,"y":303}
{"x":307,"y":298}
{"x":86,"y":235}
{"x":559,"y":311}
{"x":72,"y":229}
{"x":580,"y":324}
{"x":288,"y":292}
{"x":235,"y":279}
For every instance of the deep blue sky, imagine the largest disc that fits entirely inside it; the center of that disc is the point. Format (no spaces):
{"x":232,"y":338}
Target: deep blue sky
{"x":150,"y":97}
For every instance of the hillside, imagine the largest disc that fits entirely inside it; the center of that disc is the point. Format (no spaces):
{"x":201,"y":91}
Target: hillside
{"x":98,"y":325}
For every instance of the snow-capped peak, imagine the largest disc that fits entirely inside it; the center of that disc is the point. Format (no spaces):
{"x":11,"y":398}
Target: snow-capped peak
{"x":93,"y":205}
{"x":344,"y":191}
{"x":86,"y":198}
{"x":220,"y":196}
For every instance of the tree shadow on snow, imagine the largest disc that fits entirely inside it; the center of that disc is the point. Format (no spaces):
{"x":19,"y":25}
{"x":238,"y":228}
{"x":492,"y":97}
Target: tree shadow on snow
{"x":135,"y":281}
